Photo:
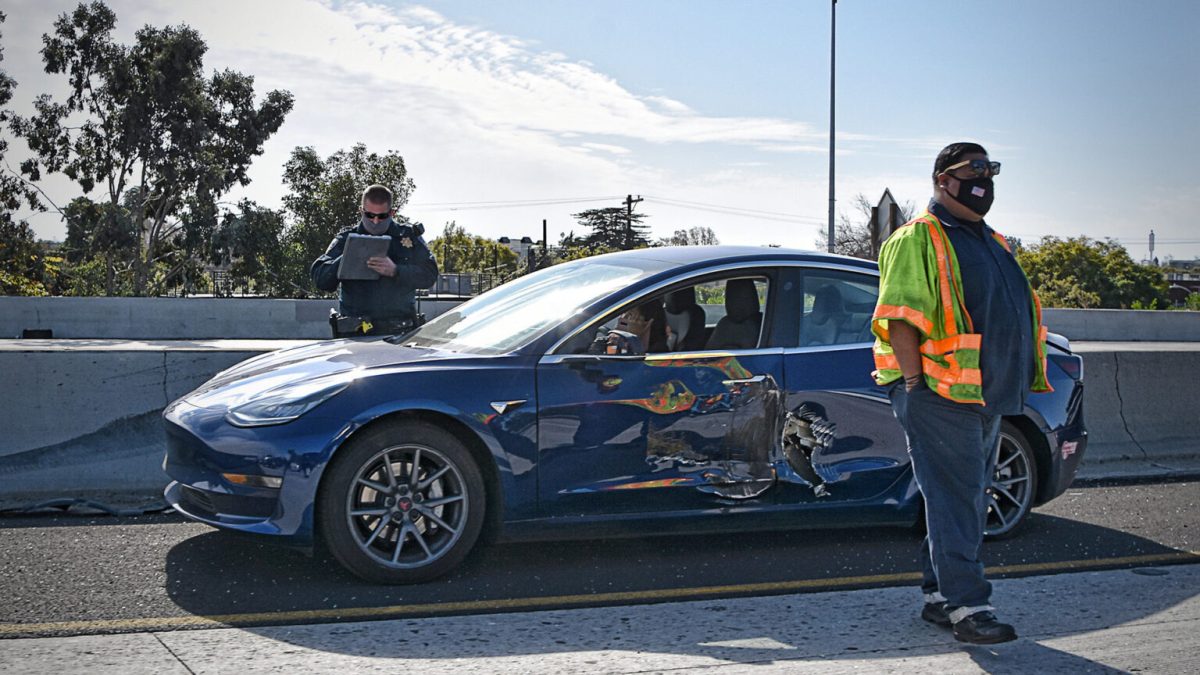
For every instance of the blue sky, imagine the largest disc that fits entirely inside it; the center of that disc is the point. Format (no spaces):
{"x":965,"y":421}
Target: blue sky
{"x":1092,"y":106}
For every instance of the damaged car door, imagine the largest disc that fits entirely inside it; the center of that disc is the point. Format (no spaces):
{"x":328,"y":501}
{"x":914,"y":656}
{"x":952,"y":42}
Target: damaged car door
{"x":840,"y":439}
{"x":669,"y":431}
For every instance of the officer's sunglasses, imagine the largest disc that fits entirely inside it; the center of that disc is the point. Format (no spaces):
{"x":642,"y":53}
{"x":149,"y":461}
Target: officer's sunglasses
{"x":979,"y":167}
{"x":375,"y":216}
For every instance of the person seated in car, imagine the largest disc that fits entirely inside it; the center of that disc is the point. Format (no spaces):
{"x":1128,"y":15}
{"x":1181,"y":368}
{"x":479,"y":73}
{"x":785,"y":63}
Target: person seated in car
{"x":646,"y":322}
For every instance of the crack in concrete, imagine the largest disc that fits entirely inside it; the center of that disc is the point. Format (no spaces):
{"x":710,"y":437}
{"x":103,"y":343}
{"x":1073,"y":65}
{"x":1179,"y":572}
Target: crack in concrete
{"x":1121,"y":406}
{"x":172,"y":653}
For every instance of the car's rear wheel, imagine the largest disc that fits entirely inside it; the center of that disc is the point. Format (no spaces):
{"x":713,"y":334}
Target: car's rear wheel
{"x":1013,"y":486}
{"x":403,"y":503}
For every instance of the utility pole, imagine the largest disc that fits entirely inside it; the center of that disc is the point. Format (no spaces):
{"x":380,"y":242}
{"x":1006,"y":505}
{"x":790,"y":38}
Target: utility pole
{"x":832,"y":72}
{"x":629,"y":202}
{"x":544,"y":257}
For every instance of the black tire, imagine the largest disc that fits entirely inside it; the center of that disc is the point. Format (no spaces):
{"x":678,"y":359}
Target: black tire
{"x":1013,"y":486}
{"x":389,"y":524}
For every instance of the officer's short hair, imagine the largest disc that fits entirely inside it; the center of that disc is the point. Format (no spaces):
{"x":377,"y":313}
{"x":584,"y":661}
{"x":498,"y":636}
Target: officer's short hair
{"x":952,"y":154}
{"x":378,"y":193}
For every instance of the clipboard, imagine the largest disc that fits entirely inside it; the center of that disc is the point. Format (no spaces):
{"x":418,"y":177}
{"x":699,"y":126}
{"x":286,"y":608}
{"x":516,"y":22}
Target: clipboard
{"x":358,"y":248}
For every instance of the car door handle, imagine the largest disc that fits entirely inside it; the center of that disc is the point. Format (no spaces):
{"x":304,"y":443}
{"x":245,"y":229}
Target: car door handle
{"x":749,"y":380}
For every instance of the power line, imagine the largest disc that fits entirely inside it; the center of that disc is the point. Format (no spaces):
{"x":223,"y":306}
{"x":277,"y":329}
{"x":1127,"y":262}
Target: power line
{"x":508,"y":204}
{"x":760,"y":214}
{"x":738,"y":211}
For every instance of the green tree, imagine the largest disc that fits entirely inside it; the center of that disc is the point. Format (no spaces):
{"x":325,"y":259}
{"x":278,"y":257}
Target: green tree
{"x":325,"y":195}
{"x":693,"y":236}
{"x":21,"y":261}
{"x":250,"y":243}
{"x":571,"y":247}
{"x":614,"y":227}
{"x":105,"y":232}
{"x":459,"y":251}
{"x":1086,"y":273}
{"x":143,"y":117}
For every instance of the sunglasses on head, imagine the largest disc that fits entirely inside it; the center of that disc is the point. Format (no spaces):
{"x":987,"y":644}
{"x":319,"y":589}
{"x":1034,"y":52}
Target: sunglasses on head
{"x":375,"y":216}
{"x":979,"y":167}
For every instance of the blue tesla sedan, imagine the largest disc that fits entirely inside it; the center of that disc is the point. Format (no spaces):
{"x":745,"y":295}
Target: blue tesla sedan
{"x":529,"y":412}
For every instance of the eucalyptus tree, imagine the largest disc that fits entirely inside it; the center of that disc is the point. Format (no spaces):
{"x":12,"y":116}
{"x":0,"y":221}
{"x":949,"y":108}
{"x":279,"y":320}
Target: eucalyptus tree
{"x":325,"y":195}
{"x":143,"y":119}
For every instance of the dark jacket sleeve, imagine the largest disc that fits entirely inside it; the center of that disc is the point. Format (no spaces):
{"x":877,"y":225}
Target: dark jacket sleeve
{"x":324,"y":269}
{"x":421,"y":271}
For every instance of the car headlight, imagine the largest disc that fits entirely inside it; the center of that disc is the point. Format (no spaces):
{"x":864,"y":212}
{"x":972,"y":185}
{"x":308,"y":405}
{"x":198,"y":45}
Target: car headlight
{"x":286,"y":403}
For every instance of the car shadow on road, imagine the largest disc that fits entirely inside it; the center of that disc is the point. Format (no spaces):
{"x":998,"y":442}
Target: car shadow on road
{"x":218,"y":574}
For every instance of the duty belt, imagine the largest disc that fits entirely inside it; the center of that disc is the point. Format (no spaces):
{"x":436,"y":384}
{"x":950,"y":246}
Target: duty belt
{"x":354,"y":326}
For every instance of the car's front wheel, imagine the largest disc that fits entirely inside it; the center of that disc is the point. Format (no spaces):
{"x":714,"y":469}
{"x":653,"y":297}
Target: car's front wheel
{"x":1014,"y":484}
{"x":403,"y":503}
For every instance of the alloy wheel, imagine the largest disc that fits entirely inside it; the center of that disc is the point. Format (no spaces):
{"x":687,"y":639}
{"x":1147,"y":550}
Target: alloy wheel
{"x":1010,"y":494}
{"x":407,"y":506}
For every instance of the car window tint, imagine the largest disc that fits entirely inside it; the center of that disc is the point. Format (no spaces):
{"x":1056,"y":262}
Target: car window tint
{"x":512,"y":315}
{"x":837,"y":308}
{"x":705,"y":324}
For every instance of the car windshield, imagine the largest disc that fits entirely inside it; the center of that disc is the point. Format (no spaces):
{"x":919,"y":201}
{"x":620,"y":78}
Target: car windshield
{"x":511,"y":316}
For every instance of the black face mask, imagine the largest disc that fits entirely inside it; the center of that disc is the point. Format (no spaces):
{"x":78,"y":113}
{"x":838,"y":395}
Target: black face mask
{"x":977,"y":194}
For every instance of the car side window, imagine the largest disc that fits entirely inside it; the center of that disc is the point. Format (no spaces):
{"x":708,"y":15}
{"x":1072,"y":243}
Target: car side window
{"x":837,"y":308}
{"x":714,"y":314}
{"x":733,"y":311}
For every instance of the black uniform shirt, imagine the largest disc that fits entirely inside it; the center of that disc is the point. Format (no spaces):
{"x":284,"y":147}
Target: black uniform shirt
{"x":382,"y":298}
{"x":996,"y":295}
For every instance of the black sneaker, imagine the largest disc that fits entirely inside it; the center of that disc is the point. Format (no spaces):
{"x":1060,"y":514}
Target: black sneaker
{"x":982,"y":628}
{"x":935,"y":613}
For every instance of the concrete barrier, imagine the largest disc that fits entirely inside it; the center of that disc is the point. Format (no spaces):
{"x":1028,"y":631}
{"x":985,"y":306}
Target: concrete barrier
{"x":1140,"y":401}
{"x":176,"y":318}
{"x":1142,"y":325}
{"x":257,"y":318}
{"x":81,"y":417}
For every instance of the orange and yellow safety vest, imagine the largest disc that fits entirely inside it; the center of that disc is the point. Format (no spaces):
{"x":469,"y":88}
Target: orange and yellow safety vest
{"x":920,"y":284}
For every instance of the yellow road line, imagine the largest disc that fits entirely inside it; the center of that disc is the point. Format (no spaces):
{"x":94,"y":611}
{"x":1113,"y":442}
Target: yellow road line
{"x":402,"y":611}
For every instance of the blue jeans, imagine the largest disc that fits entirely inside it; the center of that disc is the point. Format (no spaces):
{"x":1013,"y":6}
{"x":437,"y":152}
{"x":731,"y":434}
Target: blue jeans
{"x":953,"y":449}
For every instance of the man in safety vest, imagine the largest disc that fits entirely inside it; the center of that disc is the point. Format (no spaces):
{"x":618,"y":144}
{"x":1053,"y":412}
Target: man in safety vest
{"x":960,"y":342}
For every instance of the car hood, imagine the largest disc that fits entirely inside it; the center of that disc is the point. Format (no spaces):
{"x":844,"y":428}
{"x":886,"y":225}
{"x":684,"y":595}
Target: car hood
{"x":343,"y":360}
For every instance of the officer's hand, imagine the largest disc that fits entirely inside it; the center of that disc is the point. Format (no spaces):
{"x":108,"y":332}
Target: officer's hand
{"x":382,"y":265}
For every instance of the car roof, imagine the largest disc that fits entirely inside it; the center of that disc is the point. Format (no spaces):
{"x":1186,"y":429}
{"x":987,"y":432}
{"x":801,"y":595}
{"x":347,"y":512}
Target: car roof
{"x":689,"y":255}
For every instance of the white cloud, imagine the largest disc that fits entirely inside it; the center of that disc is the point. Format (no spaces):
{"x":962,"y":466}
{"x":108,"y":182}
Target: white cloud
{"x":606,"y":147}
{"x":478,"y":116}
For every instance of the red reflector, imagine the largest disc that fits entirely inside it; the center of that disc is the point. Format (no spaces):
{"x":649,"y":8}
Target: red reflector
{"x":1072,"y":366}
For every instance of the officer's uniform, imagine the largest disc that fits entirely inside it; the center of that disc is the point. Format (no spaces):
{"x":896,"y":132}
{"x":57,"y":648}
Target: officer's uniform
{"x":387,"y":304}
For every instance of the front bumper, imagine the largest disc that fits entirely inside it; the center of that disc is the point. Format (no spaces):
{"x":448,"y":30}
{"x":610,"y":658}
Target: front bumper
{"x":1067,"y":445}
{"x":201,"y":446}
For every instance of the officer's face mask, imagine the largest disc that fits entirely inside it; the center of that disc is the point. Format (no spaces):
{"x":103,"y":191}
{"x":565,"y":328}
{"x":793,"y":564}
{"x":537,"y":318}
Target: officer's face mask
{"x":977,"y":194}
{"x":376,"y":227}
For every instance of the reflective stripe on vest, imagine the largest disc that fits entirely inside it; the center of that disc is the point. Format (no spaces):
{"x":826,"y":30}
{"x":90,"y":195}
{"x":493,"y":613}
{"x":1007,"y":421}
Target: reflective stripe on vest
{"x":942,"y":358}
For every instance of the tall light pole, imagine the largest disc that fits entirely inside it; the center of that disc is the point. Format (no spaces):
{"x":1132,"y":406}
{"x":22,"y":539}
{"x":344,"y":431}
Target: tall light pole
{"x":832,"y":71}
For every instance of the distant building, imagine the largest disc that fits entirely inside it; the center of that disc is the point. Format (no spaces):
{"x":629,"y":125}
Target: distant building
{"x":1180,"y":285}
{"x":521,"y":248}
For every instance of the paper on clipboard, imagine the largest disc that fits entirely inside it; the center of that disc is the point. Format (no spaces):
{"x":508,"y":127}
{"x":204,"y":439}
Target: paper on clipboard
{"x":358,"y":248}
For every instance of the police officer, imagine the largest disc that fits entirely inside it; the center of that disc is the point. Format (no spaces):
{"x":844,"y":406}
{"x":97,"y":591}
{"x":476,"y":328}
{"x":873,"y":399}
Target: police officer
{"x":385,"y":305}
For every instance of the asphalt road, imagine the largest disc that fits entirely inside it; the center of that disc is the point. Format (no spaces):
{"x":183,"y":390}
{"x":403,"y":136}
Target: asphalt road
{"x":65,"y":575}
